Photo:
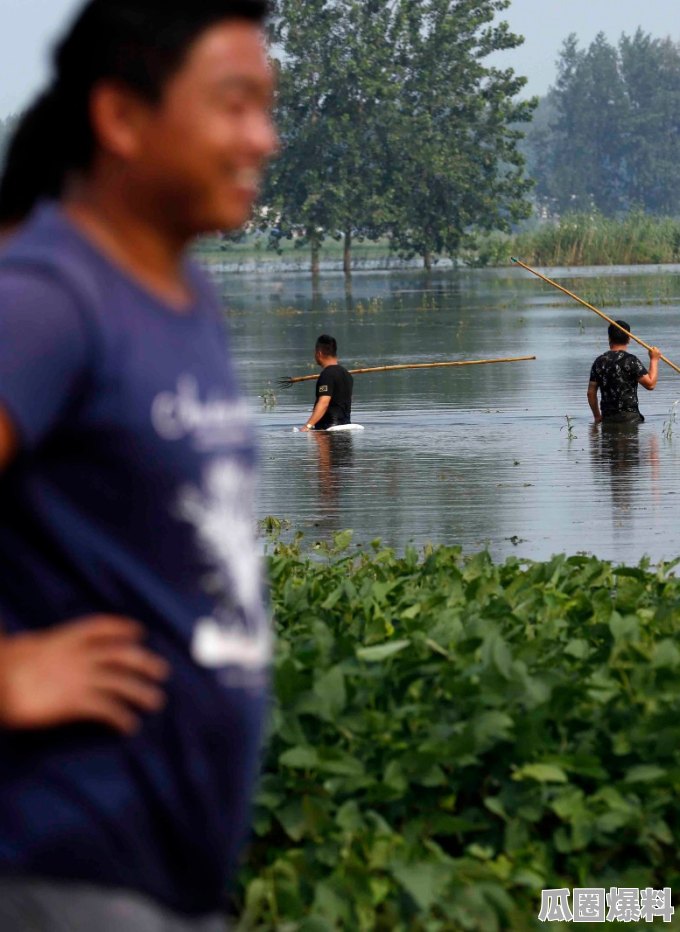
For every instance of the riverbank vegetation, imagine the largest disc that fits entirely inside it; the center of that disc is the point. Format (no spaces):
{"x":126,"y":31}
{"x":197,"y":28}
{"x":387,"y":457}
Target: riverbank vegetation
{"x":256,"y":247}
{"x":584,"y":239}
{"x":576,"y":240}
{"x":451,"y":736}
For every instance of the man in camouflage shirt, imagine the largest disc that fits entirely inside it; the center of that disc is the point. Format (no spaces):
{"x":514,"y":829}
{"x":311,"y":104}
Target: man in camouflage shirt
{"x":617,"y":375}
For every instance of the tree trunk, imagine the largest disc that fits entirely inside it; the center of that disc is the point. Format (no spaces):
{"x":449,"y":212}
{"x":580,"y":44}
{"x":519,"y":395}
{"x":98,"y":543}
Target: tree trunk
{"x":315,"y":258}
{"x":349,"y":297}
{"x":347,"y":254}
{"x":427,"y":260}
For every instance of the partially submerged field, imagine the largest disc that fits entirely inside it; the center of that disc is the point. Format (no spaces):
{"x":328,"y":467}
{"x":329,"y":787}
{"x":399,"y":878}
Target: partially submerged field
{"x":451,"y":735}
{"x":575,"y":240}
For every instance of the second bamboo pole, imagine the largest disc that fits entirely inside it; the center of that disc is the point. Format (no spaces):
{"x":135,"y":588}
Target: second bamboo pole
{"x":590,"y":307}
{"x":414,"y":365}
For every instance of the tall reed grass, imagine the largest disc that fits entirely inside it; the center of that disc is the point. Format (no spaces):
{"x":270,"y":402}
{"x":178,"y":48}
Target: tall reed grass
{"x":586,"y":239}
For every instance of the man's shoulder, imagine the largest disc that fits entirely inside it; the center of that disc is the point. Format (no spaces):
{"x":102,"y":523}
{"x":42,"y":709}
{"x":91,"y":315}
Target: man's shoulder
{"x":602,"y":359}
{"x":612,"y":357}
{"x":635,"y":366}
{"x":335,"y":369}
{"x":631,"y":357}
{"x":44,"y":243}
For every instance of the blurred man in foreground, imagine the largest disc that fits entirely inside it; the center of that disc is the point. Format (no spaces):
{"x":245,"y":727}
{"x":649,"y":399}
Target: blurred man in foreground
{"x":135,"y":646}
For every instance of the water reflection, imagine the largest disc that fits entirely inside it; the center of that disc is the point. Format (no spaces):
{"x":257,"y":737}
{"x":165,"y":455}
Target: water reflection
{"x":625,"y":452}
{"x":349,"y":295}
{"x":335,"y":461}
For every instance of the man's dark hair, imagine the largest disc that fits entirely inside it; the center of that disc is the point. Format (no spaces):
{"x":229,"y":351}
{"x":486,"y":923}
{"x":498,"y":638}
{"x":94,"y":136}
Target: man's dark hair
{"x":138,"y":43}
{"x":34,"y":166}
{"x":616,"y":335}
{"x":326,"y":345}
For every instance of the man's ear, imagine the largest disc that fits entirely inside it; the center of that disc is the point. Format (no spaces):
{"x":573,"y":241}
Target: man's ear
{"x":118,"y":117}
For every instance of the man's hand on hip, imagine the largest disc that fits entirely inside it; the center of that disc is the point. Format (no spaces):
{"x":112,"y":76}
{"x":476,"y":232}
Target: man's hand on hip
{"x":93,"y":669}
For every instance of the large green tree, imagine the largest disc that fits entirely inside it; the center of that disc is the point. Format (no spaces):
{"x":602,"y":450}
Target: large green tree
{"x":333,"y":98}
{"x":392,"y":122}
{"x":454,"y":157}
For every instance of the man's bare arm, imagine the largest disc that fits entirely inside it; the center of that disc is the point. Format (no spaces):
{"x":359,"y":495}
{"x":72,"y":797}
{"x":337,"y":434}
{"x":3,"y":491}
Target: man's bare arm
{"x":91,"y":669}
{"x":649,"y":381}
{"x":317,"y":414}
{"x":593,"y":402}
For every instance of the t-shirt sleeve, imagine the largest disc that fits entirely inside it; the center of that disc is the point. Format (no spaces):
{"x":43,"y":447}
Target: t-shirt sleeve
{"x":639,"y":369}
{"x":327,"y":384}
{"x":593,"y":374}
{"x":44,"y":352}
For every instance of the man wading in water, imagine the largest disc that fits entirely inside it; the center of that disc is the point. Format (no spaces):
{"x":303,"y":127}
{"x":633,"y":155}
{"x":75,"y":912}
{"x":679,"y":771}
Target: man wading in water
{"x":333,"y":405}
{"x":134,"y":646}
{"x":617,"y":375}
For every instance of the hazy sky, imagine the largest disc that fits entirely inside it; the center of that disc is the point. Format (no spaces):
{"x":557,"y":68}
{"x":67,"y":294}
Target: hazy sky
{"x":28,"y":27}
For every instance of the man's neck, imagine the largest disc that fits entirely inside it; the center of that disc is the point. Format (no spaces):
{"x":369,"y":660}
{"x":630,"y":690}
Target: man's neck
{"x":618,"y":347}
{"x":328,"y":361}
{"x":142,"y":248}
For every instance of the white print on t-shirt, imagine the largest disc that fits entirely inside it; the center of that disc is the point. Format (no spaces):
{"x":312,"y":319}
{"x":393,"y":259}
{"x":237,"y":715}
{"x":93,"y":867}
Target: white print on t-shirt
{"x":210,"y":423}
{"x":222,"y":514}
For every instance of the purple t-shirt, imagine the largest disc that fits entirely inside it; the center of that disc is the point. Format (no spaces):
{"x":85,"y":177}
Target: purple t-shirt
{"x":132,"y":495}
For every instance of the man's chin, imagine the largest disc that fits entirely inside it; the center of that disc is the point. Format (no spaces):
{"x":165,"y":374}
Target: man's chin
{"x":228,"y":220}
{"x":227,"y":215}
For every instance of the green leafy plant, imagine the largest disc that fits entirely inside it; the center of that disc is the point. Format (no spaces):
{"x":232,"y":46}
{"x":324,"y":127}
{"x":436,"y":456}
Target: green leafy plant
{"x":449,"y":736}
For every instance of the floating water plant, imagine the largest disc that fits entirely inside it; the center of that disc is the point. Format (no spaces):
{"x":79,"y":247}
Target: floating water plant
{"x":569,"y":426}
{"x":669,"y":424}
{"x":268,"y":398}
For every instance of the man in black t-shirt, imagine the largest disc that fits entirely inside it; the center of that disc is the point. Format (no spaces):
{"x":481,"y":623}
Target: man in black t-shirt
{"x":333,"y":398}
{"x":617,"y":375}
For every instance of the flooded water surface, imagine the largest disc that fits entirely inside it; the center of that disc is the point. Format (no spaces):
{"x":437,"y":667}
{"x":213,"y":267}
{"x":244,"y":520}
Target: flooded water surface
{"x":503,"y":456}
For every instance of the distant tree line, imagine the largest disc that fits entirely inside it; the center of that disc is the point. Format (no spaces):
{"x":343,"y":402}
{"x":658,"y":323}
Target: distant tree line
{"x":393,"y":124}
{"x":607,"y":135}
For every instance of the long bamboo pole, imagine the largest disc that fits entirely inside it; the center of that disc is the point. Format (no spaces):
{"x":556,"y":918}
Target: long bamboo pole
{"x":591,"y":308}
{"x":416,"y":365}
